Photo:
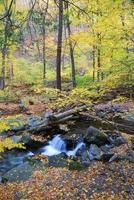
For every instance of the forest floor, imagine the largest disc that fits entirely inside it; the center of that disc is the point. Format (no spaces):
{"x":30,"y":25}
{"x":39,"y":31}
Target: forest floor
{"x":100,"y":181}
{"x":110,"y":181}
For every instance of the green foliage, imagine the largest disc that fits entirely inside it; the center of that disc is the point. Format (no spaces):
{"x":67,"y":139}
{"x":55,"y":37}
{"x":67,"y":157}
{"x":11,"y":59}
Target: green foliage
{"x":27,"y":72}
{"x":5,"y":125}
{"x":7,"y":95}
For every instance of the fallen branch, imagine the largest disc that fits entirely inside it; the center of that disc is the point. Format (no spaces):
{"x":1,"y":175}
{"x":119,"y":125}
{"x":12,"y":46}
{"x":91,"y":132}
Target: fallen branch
{"x":110,"y":125}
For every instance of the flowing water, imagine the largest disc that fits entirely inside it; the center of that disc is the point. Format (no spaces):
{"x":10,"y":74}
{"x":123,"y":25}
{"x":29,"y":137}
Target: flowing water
{"x":55,"y":146}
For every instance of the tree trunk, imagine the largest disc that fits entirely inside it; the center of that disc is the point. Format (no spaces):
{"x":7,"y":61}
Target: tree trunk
{"x":100,"y":74}
{"x":99,"y":64}
{"x":93,"y":63}
{"x":71,"y":48}
{"x":3,"y":65}
{"x":4,"y":51}
{"x":44,"y":47}
{"x":59,"y":46}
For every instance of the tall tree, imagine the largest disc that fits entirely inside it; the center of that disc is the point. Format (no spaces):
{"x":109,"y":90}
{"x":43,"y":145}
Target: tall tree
{"x":59,"y":46}
{"x":70,"y":46}
{"x":44,"y":39}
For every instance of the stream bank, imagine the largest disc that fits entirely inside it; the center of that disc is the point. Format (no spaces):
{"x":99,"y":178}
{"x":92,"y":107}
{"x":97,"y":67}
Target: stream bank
{"x":101,"y":166}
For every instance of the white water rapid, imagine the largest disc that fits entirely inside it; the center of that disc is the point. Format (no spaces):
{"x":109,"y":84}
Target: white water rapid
{"x":57,"y":146}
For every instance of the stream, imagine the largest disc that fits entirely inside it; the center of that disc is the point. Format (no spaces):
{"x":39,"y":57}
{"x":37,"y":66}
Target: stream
{"x":54,"y":147}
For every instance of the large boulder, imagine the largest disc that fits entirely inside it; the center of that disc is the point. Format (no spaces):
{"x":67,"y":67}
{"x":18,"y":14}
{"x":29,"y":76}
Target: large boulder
{"x":23,"y":171}
{"x":95,"y":136}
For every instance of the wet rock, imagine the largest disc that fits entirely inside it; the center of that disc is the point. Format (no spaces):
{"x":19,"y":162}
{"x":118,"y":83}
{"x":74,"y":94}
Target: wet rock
{"x":95,"y":136}
{"x":85,"y":159}
{"x":0,"y":179}
{"x":23,"y":171}
{"x":58,"y":160}
{"x":94,"y":152}
{"x":80,"y":151}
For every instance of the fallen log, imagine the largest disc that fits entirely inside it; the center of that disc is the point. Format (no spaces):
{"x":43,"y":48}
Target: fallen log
{"x":109,"y":125}
{"x":51,"y":121}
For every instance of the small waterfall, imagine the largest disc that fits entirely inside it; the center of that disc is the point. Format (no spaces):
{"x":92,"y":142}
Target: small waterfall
{"x":57,"y":146}
{"x":58,"y":143}
{"x":73,"y":152}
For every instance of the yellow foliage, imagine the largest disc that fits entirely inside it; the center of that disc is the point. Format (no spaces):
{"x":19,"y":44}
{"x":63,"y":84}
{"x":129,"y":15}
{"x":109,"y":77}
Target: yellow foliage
{"x":8,"y":144}
{"x":5,"y":126}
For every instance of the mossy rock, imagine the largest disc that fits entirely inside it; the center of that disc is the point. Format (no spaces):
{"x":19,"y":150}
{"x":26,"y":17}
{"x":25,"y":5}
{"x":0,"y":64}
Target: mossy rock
{"x":23,"y":172}
{"x":95,"y":136}
{"x":75,"y":165}
{"x":57,"y":160}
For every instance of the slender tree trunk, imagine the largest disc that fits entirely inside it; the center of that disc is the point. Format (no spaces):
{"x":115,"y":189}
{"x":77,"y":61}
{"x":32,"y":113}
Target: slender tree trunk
{"x":93,"y":53}
{"x":99,"y":64}
{"x":100,"y":74}
{"x":9,"y":65}
{"x":44,"y":47}
{"x":71,"y":48}
{"x":59,"y":46}
{"x":64,"y":49}
{"x":4,"y":52}
{"x":3,"y":66}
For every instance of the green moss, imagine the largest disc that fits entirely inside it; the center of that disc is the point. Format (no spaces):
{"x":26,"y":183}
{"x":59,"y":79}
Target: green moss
{"x":74,"y":165}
